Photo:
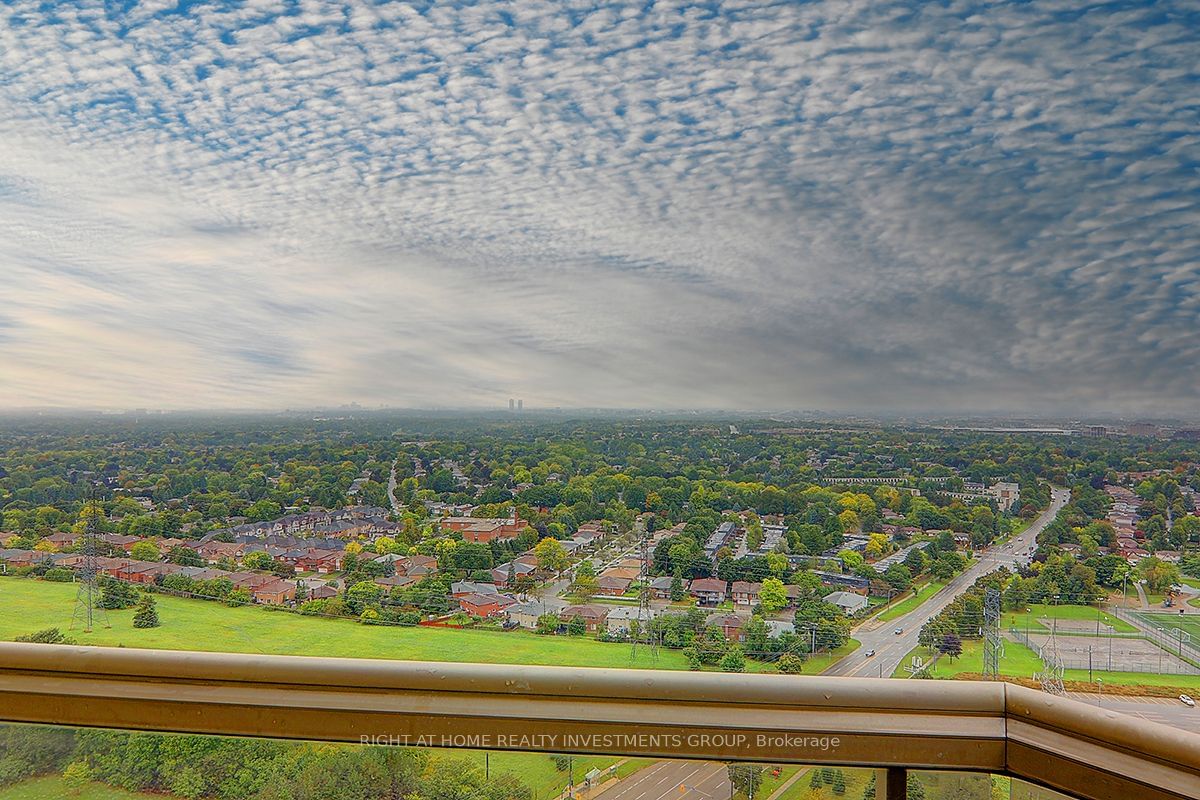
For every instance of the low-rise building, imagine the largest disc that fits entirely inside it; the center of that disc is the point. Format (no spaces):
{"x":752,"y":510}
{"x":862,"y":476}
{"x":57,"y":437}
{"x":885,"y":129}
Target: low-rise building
{"x":849,"y":602}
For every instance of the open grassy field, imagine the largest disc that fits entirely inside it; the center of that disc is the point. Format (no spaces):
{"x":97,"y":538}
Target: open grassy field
{"x":31,"y":605}
{"x":539,"y":772}
{"x":1187,"y":623}
{"x":1021,"y":662}
{"x":1017,"y":660}
{"x":1082,"y":617}
{"x":911,"y":602}
{"x":53,"y":788}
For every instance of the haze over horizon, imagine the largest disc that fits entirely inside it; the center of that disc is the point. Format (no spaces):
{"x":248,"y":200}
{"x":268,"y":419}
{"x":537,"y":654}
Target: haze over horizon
{"x":862,"y":206}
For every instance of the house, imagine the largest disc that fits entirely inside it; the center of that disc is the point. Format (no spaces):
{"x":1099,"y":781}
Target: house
{"x":730,"y":625}
{"x":475,"y":529}
{"x":275,"y":593}
{"x":214,"y":551}
{"x":525,"y":614}
{"x":620,"y":619}
{"x":394,"y":581}
{"x":501,"y":573}
{"x":852,"y":582}
{"x":464,"y":588}
{"x":661,"y":588}
{"x":23,"y":558}
{"x":61,"y":540}
{"x":416,"y":565}
{"x":719,"y":538}
{"x":707,"y":591}
{"x":849,"y":602}
{"x":250,"y":580}
{"x":611,"y":586}
{"x":125,"y":543}
{"x":322,"y":593}
{"x":778,"y":627}
{"x":745,"y":593}
{"x":320,"y":561}
{"x":485,"y":605}
{"x":627,"y":573}
{"x":593,"y":616}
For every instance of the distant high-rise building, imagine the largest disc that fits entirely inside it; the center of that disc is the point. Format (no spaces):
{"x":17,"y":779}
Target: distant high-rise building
{"x":511,"y":404}
{"x":520,"y":405}
{"x":1095,"y":430}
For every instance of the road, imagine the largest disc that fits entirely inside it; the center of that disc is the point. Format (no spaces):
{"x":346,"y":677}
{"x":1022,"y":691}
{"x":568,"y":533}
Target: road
{"x":392,"y":488}
{"x":672,"y":780}
{"x":890,"y":648}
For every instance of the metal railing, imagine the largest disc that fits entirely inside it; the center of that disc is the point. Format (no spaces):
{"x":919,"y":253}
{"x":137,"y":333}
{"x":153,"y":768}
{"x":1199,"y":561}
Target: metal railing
{"x":891,"y":724}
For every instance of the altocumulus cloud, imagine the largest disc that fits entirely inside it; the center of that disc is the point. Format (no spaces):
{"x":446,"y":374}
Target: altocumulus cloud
{"x":851,"y":204}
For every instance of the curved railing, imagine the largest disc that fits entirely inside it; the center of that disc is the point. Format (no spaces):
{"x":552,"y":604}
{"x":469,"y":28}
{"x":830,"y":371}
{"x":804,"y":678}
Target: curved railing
{"x":898,"y":724}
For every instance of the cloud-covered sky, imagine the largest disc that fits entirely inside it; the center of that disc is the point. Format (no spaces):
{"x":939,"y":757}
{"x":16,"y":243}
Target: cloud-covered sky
{"x":844,"y":205}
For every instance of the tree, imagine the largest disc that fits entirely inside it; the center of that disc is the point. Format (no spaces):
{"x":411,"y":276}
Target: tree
{"x":577,"y":626}
{"x":184,"y":556}
{"x":746,"y":778}
{"x":146,"y":615}
{"x":145,"y":551}
{"x":734,"y":660}
{"x":117,"y":594}
{"x":258,"y":561}
{"x":950,"y":646}
{"x":677,"y":590}
{"x":898,"y":577}
{"x":76,"y":776}
{"x":47,"y":636}
{"x":585,"y":588}
{"x":551,"y":555}
{"x":790,"y":664}
{"x":1158,"y":574}
{"x":772,"y":596}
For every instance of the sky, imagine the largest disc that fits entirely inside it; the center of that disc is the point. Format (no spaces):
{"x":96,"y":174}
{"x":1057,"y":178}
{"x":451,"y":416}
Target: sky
{"x":856,"y":205}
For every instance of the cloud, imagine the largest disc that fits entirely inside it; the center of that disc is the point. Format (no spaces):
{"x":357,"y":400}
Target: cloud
{"x":856,"y":205}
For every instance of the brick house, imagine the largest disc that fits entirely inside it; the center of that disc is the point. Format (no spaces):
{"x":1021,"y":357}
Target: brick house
{"x":707,"y":591}
{"x":745,"y":593}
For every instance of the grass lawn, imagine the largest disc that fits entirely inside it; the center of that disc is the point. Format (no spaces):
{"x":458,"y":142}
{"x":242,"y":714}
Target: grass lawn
{"x":53,"y":788}
{"x":1193,"y":582}
{"x":538,"y":770}
{"x":911,"y":602}
{"x":1017,"y":660}
{"x":822,"y":661}
{"x":1172,"y":622}
{"x":1031,"y":619}
{"x":31,"y":605}
{"x":1021,"y":662}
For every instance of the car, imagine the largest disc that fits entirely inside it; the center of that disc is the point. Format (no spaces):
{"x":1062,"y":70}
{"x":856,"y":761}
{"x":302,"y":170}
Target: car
{"x":1187,"y":701}
{"x":898,"y":631}
{"x":869,"y":653}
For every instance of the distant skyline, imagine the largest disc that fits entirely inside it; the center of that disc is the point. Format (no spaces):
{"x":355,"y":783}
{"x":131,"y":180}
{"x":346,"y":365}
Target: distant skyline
{"x":864,"y":206}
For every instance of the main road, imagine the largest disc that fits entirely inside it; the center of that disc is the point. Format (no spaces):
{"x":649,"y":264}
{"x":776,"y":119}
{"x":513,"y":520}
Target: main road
{"x":890,"y":647}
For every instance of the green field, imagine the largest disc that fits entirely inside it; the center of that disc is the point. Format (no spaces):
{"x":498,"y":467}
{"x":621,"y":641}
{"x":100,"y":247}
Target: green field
{"x":911,"y":602}
{"x":53,"y":788}
{"x":1031,"y":619}
{"x":1017,"y":660}
{"x":1189,"y":624}
{"x":31,"y":605}
{"x":539,"y":772}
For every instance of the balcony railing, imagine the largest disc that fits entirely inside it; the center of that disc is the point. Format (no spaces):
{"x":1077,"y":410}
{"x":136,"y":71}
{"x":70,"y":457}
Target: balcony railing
{"x":895,"y":725}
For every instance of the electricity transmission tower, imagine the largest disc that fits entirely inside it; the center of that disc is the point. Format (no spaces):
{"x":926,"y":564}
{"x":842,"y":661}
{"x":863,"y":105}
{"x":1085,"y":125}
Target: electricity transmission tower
{"x":643,"y":636}
{"x":1051,"y":677}
{"x":993,"y":644}
{"x":87,"y":601}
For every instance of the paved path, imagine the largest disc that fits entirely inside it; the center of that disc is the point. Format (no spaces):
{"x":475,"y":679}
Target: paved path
{"x":891,"y":648}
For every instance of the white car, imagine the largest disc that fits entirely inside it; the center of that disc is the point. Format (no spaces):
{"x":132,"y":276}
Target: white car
{"x":898,"y":631}
{"x":869,"y":653}
{"x":1187,"y":701}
